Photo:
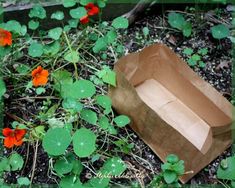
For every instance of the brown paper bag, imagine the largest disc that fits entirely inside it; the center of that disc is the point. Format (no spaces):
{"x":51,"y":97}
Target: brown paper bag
{"x":172,"y":109}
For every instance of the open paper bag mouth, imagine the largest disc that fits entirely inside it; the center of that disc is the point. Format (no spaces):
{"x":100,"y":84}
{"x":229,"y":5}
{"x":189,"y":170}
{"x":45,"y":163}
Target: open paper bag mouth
{"x":166,"y":100}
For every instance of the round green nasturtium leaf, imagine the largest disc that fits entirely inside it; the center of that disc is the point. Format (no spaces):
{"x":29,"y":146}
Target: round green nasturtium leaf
{"x":220,"y":31}
{"x":70,"y":182}
{"x":72,"y":56}
{"x":23,"y":181}
{"x":100,"y":45}
{"x":78,"y":90}
{"x":176,"y":20}
{"x":112,"y":130}
{"x":171,"y":158}
{"x":226,"y":169}
{"x":40,"y":90}
{"x":109,"y":77}
{"x":37,"y":11}
{"x":52,"y":48}
{"x":103,"y":122}
{"x":16,"y":162}
{"x":70,"y":103}
{"x":56,"y":141}
{"x":73,"y":23}
{"x":101,"y":3}
{"x":98,"y":182}
{"x":169,"y":176}
{"x":84,"y":142}
{"x":35,"y":49}
{"x":77,"y":167}
{"x":33,"y":25}
{"x":111,"y":36}
{"x":120,"y":49}
{"x":13,"y":26}
{"x":69,"y":3}
{"x":89,"y":116}
{"x":84,"y":88}
{"x":4,"y":51}
{"x":55,"y":33}
{"x":187,"y":29}
{"x":4,"y":164}
{"x":58,"y":15}
{"x":2,"y":87}
{"x":122,"y":120}
{"x":120,"y":23}
{"x":78,"y":12}
{"x":114,"y":166}
{"x":104,"y":101}
{"x":22,"y":68}
{"x":63,"y":166}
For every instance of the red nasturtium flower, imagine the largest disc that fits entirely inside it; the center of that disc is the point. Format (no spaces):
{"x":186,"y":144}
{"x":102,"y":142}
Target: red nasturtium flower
{"x":13,"y":137}
{"x":40,"y":76}
{"x":92,"y":9}
{"x":5,"y":37}
{"x":84,"y":19}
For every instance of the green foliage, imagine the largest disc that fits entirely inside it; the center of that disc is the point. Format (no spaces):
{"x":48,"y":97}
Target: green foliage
{"x":70,"y":181}
{"x":226,"y":169}
{"x":120,"y":23}
{"x":72,"y":104}
{"x":107,"y":75}
{"x":177,"y":21}
{"x":146,"y":31}
{"x":78,"y":90}
{"x":23,"y":181}
{"x":37,"y":12}
{"x":55,"y":33}
{"x":72,"y":56}
{"x":196,"y":58}
{"x":172,"y":169}
{"x":78,"y":12}
{"x":84,"y":142}
{"x":33,"y":25}
{"x":122,"y":120}
{"x":35,"y":49}
{"x":69,"y":3}
{"x":58,"y":15}
{"x":56,"y":141}
{"x":105,"y":102}
{"x":114,"y":166}
{"x":89,"y":116}
{"x":63,"y":166}
{"x":16,"y":162}
{"x":2,"y":87}
{"x":220,"y":31}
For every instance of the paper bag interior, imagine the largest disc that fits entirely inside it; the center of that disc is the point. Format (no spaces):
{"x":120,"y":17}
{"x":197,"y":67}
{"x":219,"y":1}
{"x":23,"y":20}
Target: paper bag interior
{"x":176,"y":100}
{"x":175,"y":112}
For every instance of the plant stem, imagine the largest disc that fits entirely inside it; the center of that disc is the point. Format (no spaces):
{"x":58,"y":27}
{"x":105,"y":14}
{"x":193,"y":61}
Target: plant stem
{"x":71,"y":50}
{"x":34,"y":163}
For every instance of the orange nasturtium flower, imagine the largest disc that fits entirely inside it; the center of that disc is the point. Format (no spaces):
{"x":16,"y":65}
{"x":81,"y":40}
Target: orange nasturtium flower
{"x":40,"y":76}
{"x":5,"y":38}
{"x":84,"y":19}
{"x":13,"y":137}
{"x":92,"y":9}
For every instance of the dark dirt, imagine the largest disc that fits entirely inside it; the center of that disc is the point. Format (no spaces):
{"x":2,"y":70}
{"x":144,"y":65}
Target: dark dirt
{"x":217,"y":72}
